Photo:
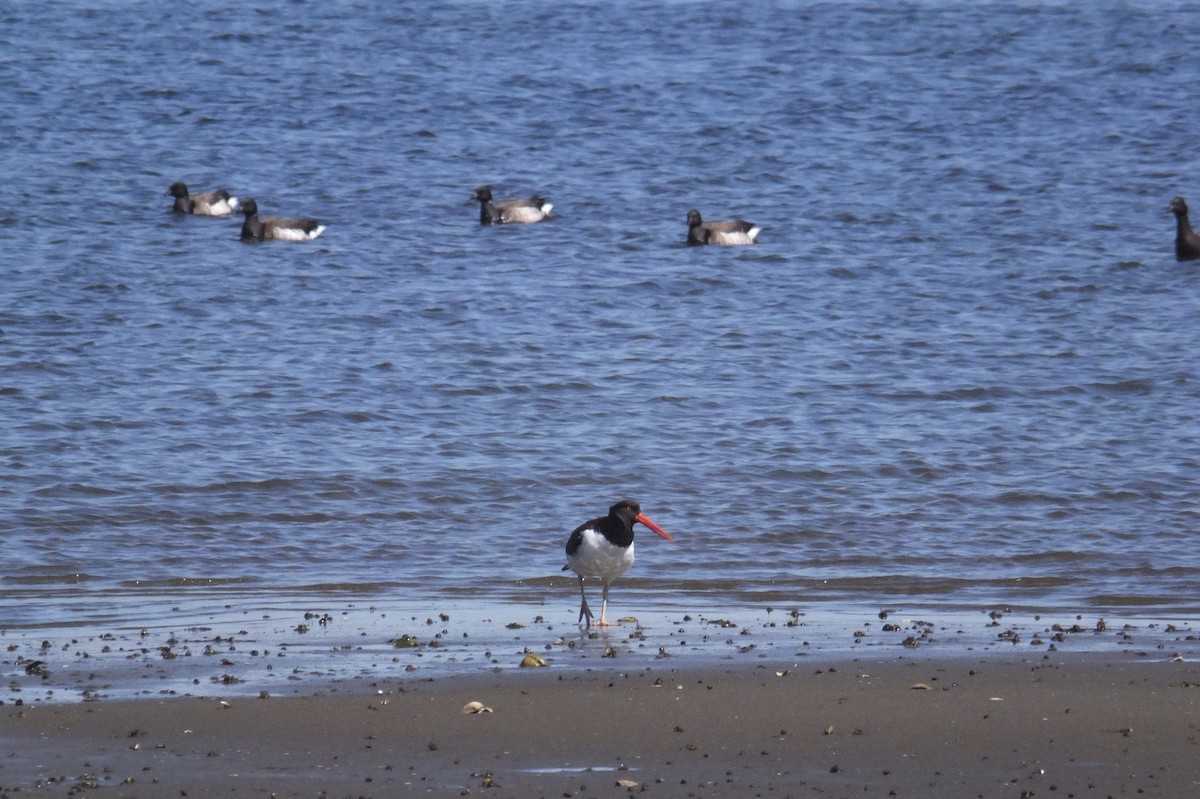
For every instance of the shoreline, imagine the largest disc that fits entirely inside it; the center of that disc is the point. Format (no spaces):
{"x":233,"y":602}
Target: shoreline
{"x":299,"y":649}
{"x":1039,"y":724}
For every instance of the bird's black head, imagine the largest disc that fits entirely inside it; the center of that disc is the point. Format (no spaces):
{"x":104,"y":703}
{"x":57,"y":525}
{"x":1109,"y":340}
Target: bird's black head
{"x":627,"y":509}
{"x":1178,"y":207}
{"x":693,"y":218}
{"x":628,"y":512}
{"x":483,"y":194}
{"x":178,"y":189}
{"x":249,"y":207}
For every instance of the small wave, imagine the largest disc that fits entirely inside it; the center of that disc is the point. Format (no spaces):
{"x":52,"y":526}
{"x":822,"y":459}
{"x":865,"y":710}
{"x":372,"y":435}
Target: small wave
{"x":1121,"y":387}
{"x":76,"y":489}
{"x":1136,"y":600}
{"x":954,"y":395}
{"x":273,"y":484}
{"x":69,"y":578}
{"x":189,"y":582}
{"x":1029,"y":498}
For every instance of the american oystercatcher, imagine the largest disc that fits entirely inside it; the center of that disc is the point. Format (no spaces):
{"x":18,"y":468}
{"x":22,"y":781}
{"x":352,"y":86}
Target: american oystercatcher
{"x":603,"y":548}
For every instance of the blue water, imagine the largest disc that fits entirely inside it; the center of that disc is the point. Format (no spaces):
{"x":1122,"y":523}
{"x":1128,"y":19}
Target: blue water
{"x":958,"y":370}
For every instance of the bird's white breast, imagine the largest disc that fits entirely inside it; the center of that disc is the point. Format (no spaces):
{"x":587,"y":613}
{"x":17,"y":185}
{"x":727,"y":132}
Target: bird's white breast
{"x":596,"y":557}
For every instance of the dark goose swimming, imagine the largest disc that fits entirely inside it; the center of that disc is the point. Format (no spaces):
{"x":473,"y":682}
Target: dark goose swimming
{"x":255,"y":228}
{"x":516,"y":211}
{"x":213,"y":203}
{"x":736,"y":232}
{"x":1187,"y":243}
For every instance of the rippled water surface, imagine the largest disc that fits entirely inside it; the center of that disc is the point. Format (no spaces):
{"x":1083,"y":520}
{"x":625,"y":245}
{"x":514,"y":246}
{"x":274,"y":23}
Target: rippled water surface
{"x":958,"y":370}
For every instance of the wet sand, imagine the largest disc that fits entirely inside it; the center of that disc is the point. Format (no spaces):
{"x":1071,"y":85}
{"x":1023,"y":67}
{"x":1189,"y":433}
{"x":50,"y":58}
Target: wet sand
{"x":1039,"y":725}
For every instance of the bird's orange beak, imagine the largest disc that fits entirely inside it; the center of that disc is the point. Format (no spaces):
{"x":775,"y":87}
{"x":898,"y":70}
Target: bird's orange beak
{"x":641,"y":517}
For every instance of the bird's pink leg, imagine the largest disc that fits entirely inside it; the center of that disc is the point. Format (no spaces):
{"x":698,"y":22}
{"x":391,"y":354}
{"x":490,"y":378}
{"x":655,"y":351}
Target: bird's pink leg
{"x":584,"y":611}
{"x":604,"y":609}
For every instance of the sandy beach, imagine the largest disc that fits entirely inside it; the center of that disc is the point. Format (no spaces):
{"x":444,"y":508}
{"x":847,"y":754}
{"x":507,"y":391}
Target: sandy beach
{"x":1042,"y":725}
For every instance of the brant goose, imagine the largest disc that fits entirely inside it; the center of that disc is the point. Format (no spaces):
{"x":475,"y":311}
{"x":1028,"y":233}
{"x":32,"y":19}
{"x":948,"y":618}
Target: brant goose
{"x":212,"y":203}
{"x":1187,"y":243}
{"x":736,"y":232}
{"x":255,"y":229}
{"x":530,"y":209}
